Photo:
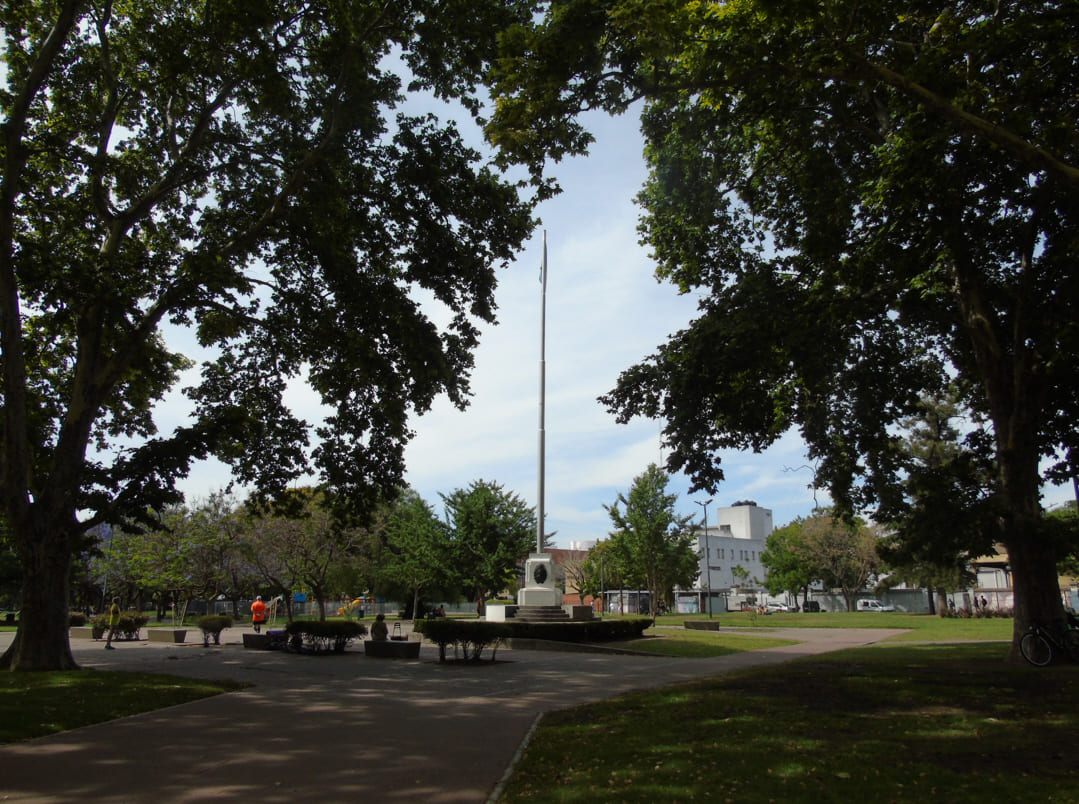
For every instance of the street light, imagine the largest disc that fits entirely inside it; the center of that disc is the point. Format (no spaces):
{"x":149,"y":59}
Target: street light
{"x":707,"y":568}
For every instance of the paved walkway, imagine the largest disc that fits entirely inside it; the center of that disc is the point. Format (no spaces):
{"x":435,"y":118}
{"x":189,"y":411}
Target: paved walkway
{"x":339,"y":728}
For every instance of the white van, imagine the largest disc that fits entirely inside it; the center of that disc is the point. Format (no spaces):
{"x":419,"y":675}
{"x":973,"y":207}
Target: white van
{"x":873,"y":605}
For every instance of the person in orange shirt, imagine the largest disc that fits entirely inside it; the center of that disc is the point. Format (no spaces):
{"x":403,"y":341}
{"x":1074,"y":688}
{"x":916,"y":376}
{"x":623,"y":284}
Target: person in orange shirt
{"x":258,"y":614}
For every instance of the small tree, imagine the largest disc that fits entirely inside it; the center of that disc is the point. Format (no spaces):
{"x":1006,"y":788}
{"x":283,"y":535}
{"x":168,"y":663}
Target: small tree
{"x":783,"y":556}
{"x":653,"y":545}
{"x":303,"y":546}
{"x":490,"y":531}
{"x":842,"y":554}
{"x":415,"y":549}
{"x":601,"y":570}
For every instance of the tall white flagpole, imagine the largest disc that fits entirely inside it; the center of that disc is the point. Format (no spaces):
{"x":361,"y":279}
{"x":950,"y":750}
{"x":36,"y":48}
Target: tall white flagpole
{"x":542,"y":395}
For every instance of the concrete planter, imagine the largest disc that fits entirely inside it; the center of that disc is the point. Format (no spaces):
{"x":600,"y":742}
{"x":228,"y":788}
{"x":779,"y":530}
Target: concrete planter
{"x":392,"y":649}
{"x":257,"y":641}
{"x":176,"y":636}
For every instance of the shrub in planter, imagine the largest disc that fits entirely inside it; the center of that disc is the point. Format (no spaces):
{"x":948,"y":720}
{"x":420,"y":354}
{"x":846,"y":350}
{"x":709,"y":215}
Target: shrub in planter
{"x":212,"y":625}
{"x":471,"y":636}
{"x":76,"y":619}
{"x":314,"y":636}
{"x":131,"y":622}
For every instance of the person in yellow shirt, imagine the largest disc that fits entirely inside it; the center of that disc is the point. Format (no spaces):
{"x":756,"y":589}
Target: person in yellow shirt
{"x":114,"y":622}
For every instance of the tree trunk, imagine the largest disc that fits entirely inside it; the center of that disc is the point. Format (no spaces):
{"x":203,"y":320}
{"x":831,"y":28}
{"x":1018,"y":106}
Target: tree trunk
{"x":1036,"y":586}
{"x":41,"y":642}
{"x":1015,"y":386}
{"x":1032,"y":558}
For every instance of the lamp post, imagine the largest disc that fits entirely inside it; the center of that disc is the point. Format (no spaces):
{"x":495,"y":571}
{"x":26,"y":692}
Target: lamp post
{"x":707,"y":568}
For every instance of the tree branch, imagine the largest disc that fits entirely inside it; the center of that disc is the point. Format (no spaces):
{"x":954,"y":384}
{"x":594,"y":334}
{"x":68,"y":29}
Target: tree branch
{"x":1037,"y":158}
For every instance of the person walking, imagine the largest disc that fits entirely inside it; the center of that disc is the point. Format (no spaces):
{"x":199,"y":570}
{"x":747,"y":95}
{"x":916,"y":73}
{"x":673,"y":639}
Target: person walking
{"x":258,"y":614}
{"x":114,"y":622}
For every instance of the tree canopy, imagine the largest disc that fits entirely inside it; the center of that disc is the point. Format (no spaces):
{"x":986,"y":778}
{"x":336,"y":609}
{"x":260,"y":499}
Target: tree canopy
{"x":240,"y":171}
{"x":878,"y":200}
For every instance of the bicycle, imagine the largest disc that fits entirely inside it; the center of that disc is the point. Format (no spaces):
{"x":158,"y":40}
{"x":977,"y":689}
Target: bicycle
{"x":1038,"y":644}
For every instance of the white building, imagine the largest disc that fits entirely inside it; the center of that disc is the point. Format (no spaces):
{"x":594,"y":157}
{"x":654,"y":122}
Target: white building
{"x":730,"y":555}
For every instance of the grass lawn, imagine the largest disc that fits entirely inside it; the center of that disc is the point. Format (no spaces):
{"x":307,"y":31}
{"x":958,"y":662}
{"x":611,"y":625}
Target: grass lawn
{"x":924,"y":627}
{"x":902,"y":723}
{"x":36,"y":704}
{"x":699,"y":644}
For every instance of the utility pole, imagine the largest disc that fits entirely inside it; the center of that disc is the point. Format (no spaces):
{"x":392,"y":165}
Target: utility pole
{"x":707,"y":557}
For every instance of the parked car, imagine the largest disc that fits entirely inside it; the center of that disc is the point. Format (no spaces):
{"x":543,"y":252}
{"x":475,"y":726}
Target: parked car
{"x":775,"y":606}
{"x":873,"y":605}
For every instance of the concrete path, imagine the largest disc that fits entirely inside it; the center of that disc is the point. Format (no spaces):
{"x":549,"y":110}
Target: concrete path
{"x":340,"y":728}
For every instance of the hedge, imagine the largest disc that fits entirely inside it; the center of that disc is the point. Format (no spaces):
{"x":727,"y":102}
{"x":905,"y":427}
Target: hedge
{"x":131,"y":622}
{"x":212,"y":625}
{"x":471,"y":636}
{"x":315,"y":636}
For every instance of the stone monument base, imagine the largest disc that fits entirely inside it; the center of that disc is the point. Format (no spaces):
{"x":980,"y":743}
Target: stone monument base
{"x":538,"y":596}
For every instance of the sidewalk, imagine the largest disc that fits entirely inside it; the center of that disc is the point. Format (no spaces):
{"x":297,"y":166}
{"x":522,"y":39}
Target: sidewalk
{"x":339,"y":728}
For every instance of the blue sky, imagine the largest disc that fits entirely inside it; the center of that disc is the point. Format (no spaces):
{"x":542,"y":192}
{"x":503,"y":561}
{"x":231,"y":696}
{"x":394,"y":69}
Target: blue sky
{"x":605,"y":311}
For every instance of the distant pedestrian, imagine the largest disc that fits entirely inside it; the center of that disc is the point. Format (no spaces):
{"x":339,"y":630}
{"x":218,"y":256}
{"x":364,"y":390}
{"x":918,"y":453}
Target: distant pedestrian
{"x":114,"y":622}
{"x":985,"y":603}
{"x":379,"y":630}
{"x":258,"y":614}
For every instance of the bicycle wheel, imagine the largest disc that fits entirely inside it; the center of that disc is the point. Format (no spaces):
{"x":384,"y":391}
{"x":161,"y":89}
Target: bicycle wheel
{"x":1036,"y":649}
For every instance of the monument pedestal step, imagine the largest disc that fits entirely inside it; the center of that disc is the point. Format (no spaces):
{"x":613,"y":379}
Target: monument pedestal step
{"x":542,"y":614}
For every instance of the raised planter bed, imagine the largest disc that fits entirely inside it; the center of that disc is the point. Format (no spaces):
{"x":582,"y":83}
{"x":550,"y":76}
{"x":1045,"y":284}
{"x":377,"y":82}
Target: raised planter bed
{"x":176,"y":636}
{"x":702,"y":625}
{"x":392,"y":649}
{"x":258,"y":641}
{"x":81,"y":632}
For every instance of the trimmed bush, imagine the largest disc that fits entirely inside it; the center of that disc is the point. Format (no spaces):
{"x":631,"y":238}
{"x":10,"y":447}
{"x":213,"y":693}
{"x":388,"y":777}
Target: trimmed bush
{"x":131,"y":622}
{"x":314,"y":636}
{"x":76,"y":619}
{"x":212,"y":625}
{"x":471,"y":636}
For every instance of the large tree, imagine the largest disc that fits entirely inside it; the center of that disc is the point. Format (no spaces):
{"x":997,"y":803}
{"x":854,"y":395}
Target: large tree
{"x":875,"y":199}
{"x":653,"y":545}
{"x":236,"y":169}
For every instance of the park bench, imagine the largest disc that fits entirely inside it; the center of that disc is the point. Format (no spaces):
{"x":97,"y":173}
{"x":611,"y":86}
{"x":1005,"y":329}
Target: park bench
{"x":392,"y":648}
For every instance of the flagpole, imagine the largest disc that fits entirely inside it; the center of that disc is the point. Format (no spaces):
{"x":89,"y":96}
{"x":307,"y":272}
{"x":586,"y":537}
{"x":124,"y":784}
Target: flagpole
{"x":542,"y":396}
